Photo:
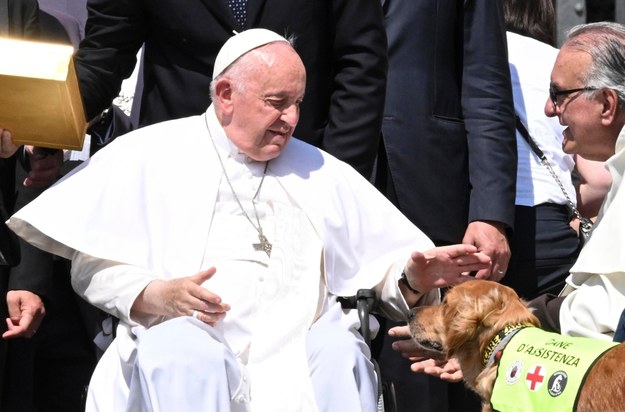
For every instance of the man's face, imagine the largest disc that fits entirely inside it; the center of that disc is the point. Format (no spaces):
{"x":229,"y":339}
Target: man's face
{"x":266,"y":109}
{"x":579,"y":111}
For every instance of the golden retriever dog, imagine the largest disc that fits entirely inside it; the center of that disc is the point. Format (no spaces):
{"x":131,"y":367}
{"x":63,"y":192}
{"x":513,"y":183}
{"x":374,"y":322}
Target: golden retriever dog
{"x":471,"y":325}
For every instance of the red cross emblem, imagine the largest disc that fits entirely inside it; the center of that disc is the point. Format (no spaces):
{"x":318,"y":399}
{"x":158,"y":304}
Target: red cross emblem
{"x":535,"y":377}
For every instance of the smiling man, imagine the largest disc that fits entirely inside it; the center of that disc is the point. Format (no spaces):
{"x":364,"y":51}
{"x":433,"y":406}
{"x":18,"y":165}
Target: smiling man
{"x":224,"y":268}
{"x":587,"y":94}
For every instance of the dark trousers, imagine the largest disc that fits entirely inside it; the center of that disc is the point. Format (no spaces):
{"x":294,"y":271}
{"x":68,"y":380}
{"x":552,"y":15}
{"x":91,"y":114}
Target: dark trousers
{"x":544,"y":247}
{"x":50,"y":371}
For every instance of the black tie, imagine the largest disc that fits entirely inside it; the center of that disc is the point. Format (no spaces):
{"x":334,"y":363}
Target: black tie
{"x":238,"y":9}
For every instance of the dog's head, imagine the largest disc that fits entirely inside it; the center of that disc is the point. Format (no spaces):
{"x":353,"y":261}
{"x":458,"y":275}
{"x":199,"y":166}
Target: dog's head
{"x":471,"y":314}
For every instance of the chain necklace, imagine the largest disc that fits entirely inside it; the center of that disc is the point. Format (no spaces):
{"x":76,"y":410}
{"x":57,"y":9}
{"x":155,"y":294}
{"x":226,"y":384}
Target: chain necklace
{"x":263,"y":244}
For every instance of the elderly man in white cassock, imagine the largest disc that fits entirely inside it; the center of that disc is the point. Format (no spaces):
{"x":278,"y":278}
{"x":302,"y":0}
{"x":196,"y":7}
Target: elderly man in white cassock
{"x":221,"y":244}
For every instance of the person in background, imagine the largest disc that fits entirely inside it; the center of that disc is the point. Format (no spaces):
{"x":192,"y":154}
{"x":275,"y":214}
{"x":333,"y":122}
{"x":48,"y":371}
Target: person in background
{"x":592,"y":59}
{"x":257,"y":332}
{"x":342,"y":44}
{"x":592,"y":183}
{"x":544,"y":245}
{"x":448,"y":157}
{"x":17,"y":19}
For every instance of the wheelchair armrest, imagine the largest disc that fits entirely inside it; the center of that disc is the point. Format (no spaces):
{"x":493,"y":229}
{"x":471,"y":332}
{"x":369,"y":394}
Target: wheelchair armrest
{"x":365,"y":302}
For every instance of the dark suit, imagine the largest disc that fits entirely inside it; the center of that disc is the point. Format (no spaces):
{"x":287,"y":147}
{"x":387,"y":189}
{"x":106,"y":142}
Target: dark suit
{"x":448,"y":129}
{"x":342,"y":44}
{"x":448,"y":125}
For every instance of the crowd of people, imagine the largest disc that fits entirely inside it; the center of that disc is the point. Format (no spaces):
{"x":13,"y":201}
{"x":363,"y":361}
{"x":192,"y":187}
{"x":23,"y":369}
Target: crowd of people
{"x":391,"y":142}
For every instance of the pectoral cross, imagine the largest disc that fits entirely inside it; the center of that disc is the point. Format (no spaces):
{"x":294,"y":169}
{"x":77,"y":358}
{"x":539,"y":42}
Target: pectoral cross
{"x":263,"y":245}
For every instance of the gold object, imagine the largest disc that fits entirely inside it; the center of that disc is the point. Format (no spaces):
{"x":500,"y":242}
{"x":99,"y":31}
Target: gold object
{"x":40,"y":102}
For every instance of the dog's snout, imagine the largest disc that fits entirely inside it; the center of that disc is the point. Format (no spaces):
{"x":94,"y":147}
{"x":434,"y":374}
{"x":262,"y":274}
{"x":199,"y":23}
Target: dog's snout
{"x":412,"y":314}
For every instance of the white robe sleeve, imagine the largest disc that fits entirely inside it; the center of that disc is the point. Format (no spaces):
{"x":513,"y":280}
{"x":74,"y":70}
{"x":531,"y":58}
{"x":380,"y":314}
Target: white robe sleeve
{"x":392,"y":304}
{"x":111,"y":286}
{"x":594,"y":308}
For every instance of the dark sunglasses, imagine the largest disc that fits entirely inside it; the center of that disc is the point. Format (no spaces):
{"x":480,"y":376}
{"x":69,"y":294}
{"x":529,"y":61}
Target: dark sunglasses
{"x":555,"y":93}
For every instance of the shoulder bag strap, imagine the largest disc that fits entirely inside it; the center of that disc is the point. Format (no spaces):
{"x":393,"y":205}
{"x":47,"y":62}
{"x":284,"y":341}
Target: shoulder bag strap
{"x":543,"y":159}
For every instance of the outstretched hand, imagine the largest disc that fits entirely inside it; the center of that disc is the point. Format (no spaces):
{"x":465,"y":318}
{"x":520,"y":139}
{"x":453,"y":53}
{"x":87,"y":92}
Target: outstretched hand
{"x":445,"y":369}
{"x":182,"y":297}
{"x":444,"y":266}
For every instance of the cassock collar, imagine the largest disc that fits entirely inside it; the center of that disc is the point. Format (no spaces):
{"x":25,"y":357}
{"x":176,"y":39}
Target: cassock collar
{"x":222,"y":141}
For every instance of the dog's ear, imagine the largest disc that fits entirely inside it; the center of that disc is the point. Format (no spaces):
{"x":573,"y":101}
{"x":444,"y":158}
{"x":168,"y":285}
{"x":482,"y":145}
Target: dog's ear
{"x":508,"y":308}
{"x":463,"y":318}
{"x":476,"y":309}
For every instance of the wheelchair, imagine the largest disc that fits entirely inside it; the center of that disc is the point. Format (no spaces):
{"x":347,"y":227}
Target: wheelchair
{"x":365,"y":302}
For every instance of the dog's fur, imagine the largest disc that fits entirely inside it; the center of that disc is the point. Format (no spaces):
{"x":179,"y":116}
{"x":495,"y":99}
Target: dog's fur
{"x":472,"y":313}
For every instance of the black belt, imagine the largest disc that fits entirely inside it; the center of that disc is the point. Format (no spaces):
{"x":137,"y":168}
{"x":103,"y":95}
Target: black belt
{"x":545,"y":210}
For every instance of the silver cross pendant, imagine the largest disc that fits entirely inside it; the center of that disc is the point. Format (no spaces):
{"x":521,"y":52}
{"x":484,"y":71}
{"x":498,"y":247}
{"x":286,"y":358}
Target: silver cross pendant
{"x":263,"y":245}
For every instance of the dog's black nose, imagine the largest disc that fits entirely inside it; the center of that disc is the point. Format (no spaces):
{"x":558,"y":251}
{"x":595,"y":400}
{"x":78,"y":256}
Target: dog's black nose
{"x":411,"y":314}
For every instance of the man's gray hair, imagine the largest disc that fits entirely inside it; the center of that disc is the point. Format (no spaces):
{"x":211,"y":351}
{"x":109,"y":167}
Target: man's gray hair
{"x":605,"y":43}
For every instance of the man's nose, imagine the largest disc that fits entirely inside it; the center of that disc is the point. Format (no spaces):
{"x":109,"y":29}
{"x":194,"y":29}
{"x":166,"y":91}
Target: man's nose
{"x":550,"y":108}
{"x":291,"y":114}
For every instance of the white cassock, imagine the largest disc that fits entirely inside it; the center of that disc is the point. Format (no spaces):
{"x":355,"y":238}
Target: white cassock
{"x":143,"y":209}
{"x":598,"y":276}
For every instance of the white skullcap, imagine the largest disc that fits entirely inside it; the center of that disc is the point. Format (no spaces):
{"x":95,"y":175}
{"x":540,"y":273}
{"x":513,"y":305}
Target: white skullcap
{"x":241,"y":43}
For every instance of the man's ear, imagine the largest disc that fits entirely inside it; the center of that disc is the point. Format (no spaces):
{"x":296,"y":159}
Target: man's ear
{"x":610,"y":106}
{"x":223,"y":93}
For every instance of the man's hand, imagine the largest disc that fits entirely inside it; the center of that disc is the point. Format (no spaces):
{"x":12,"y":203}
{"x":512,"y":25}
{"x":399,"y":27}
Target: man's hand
{"x":182,"y":297}
{"x":404,"y":344}
{"x":490,"y":239}
{"x":7,"y":147}
{"x":444,"y":266}
{"x":26,"y":311}
{"x":45,"y":166}
{"x":448,"y":370}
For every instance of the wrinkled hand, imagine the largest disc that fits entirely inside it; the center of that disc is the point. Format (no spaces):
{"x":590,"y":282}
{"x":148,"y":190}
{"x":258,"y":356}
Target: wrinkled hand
{"x":7,"y":147}
{"x":490,"y":239}
{"x":448,"y":370}
{"x":444,"y":266}
{"x":181,"y":297}
{"x":45,"y":166}
{"x":26,"y":311}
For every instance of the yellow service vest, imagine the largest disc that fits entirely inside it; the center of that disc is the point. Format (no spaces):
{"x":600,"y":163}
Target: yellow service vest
{"x":543,"y":371}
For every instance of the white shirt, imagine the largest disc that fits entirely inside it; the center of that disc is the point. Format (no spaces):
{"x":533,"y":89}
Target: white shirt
{"x":531,"y":62}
